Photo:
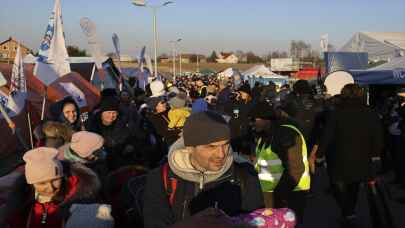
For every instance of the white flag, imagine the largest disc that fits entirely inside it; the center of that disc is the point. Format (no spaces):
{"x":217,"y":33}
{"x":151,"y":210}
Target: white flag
{"x":89,"y":29}
{"x":52,"y":61}
{"x":324,"y":43}
{"x":75,"y":92}
{"x":18,"y":82}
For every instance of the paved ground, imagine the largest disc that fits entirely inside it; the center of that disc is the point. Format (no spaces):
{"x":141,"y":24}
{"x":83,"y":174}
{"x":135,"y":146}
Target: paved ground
{"x":322,"y":210}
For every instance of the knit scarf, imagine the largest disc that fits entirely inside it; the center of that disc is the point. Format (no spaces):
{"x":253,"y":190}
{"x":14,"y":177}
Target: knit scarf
{"x":72,"y":157}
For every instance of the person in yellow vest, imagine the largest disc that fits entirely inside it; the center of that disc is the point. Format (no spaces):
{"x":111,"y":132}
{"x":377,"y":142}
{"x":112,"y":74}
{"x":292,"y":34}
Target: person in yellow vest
{"x":280,"y":160}
{"x":202,"y":88}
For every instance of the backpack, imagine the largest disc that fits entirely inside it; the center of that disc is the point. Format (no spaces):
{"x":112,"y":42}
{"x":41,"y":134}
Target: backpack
{"x":132,"y":193}
{"x":132,"y":197}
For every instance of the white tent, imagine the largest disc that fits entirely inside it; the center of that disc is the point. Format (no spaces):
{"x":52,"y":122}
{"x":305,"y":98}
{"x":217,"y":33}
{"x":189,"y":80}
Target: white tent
{"x":228,"y":73}
{"x":393,"y":64}
{"x":258,"y":70}
{"x":378,"y":45}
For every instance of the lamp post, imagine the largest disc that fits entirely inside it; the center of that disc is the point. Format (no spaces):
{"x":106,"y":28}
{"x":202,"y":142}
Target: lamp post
{"x":155,"y":35}
{"x":174,"y":42}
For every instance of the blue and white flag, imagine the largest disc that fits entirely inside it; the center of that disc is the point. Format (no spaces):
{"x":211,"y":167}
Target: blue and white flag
{"x":75,"y":92}
{"x":52,"y":61}
{"x":14,"y":102}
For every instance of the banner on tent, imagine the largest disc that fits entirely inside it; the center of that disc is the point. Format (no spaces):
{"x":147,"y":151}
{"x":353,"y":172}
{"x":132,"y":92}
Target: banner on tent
{"x":399,"y":73}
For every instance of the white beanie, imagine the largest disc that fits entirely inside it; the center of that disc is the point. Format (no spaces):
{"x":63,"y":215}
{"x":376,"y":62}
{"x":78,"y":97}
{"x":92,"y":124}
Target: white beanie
{"x":90,"y":215}
{"x":157,"y":88}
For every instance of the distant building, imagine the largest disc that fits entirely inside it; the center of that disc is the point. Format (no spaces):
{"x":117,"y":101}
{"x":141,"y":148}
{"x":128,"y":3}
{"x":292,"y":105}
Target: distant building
{"x":127,"y":58}
{"x":186,"y":58}
{"x":8,"y":49}
{"x":227,"y":58}
{"x":164,"y":59}
{"x":192,"y":58}
{"x":285,"y":64}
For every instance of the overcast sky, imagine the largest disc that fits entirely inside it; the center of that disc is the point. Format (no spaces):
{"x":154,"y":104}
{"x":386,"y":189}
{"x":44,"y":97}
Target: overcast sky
{"x":205,"y":25}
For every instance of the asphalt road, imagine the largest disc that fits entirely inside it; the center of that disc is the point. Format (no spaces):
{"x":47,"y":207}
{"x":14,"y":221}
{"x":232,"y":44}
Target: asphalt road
{"x":322,"y":210}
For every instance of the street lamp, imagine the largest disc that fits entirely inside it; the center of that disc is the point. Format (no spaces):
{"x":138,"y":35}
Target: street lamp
{"x":155,"y":35}
{"x":174,"y":42}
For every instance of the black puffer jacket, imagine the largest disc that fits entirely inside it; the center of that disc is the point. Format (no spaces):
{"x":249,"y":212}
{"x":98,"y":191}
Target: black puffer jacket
{"x":352,"y":136}
{"x":305,"y":110}
{"x":160,"y":122}
{"x":122,"y":139}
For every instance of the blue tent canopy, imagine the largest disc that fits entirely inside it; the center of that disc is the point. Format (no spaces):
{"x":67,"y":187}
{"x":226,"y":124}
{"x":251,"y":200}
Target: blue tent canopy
{"x":379,"y":77}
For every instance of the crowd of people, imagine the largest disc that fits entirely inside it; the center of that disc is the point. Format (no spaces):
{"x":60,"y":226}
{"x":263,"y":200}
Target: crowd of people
{"x":201,"y":151}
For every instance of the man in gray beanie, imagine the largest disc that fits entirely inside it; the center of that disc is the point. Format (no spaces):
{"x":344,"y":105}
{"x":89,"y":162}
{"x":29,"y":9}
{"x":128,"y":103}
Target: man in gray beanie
{"x":200,"y":174}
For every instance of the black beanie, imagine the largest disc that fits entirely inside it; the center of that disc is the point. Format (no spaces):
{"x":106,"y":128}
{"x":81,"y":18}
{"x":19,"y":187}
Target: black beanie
{"x":203,"y":128}
{"x":109,"y":92}
{"x":263,"y":110}
{"x":109,"y":104}
{"x":245,"y":88}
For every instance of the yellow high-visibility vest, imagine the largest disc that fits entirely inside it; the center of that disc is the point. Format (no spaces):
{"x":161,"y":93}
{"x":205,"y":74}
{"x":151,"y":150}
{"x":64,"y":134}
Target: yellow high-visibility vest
{"x":270,"y":168}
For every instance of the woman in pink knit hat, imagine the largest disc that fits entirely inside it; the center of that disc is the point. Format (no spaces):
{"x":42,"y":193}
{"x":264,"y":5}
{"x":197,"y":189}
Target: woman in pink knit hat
{"x":49,"y":190}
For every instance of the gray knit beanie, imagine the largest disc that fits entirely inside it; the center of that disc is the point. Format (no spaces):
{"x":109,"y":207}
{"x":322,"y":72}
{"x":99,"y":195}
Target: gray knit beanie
{"x":203,"y":128}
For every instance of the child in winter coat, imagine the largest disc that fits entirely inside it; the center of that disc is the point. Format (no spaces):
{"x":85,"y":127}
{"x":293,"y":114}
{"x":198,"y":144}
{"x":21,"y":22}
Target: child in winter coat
{"x":178,"y":112}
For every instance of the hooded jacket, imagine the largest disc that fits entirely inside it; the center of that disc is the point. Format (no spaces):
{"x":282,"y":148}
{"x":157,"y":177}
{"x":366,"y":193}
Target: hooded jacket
{"x":81,"y":186}
{"x":56,"y":113}
{"x":234,"y":189}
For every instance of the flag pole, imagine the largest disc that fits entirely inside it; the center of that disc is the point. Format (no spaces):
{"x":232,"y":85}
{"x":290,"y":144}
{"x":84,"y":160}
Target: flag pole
{"x":30,"y":126}
{"x":43,"y":104}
